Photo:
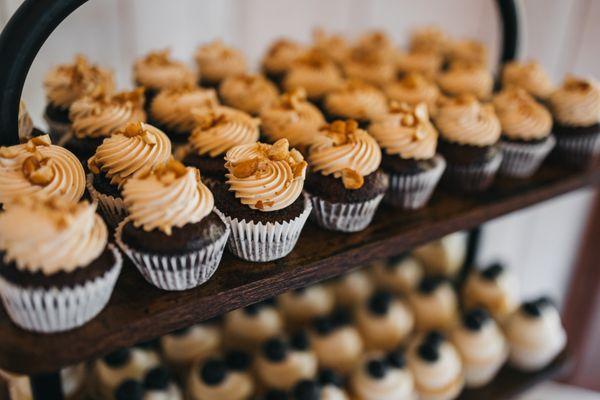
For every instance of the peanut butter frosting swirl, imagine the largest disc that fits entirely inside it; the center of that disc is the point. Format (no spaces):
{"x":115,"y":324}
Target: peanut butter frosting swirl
{"x":378,"y":42}
{"x":218,"y":131}
{"x":334,"y":46}
{"x":406,"y":131}
{"x":135,"y":149}
{"x":429,"y":39}
{"x":50,"y":235}
{"x":102,"y":115}
{"x":248,"y":92}
{"x":218,"y":61}
{"x":467,"y":50}
{"x":158,"y":71}
{"x":467,"y":78}
{"x":266,"y":177}
{"x":576,"y":102}
{"x":521,"y":117}
{"x":369,"y":66}
{"x":531,"y":76}
{"x":281,"y":55}
{"x":316,"y":73}
{"x":173,"y":108}
{"x":293,"y":118}
{"x":356,"y":100}
{"x":68,"y":82}
{"x":171,"y":196}
{"x":425,"y":62}
{"x":464,"y":120}
{"x":413,"y":88}
{"x":345,"y":151}
{"x":39,"y":167}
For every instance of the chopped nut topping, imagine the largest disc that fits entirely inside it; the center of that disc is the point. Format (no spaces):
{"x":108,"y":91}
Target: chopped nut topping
{"x":351,"y":179}
{"x":38,"y":170}
{"x":159,"y":57}
{"x":245,"y":169}
{"x":210,"y":119}
{"x":280,"y":150}
{"x":341,"y":132}
{"x":292,"y":100}
{"x":169,"y":171}
{"x":43,"y":140}
{"x":296,"y":155}
{"x":299,"y":168}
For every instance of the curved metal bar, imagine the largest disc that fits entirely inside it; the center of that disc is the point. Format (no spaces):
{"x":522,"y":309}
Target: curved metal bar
{"x":510,"y":24}
{"x":20,"y":41}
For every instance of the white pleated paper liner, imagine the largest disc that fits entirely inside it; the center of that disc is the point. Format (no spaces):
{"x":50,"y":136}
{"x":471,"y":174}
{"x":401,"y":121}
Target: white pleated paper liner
{"x":344,"y":217}
{"x":112,"y":208}
{"x":57,"y":130}
{"x":474,"y":177}
{"x":59,"y":309}
{"x":581,"y":151}
{"x":177,"y":271}
{"x":413,"y":191}
{"x":521,"y":160}
{"x":260,"y":242}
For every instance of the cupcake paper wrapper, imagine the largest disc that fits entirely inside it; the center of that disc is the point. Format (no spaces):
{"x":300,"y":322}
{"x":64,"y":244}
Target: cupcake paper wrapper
{"x":472,"y":178}
{"x":59,"y":309}
{"x":178,"y":271}
{"x":57,"y":130}
{"x":344,"y":217}
{"x":579,"y":150}
{"x":112,"y":208}
{"x":413,"y":191}
{"x":260,"y":242}
{"x":523,"y":160}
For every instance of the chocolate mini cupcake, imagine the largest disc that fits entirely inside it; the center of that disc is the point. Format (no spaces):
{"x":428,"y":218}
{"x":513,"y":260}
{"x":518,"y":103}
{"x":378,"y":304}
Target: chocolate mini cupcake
{"x":436,"y":367}
{"x":292,"y":117}
{"x":482,"y":347}
{"x":469,"y":135}
{"x":345,"y":185}
{"x":383,"y":376}
{"x":467,"y":78}
{"x":57,"y":270}
{"x":217,"y":131}
{"x":384,"y":321}
{"x":222,"y":378}
{"x":263,"y":201}
{"x":352,"y":289}
{"x":300,"y":306}
{"x":157,"y":71}
{"x":526,"y":127}
{"x":369,"y":65}
{"x":217,"y":61}
{"x":173,"y":110}
{"x":282,"y":363}
{"x":247,"y":328}
{"x":444,"y":256}
{"x":413,"y":89}
{"x":399,"y":275}
{"x":66,"y":83}
{"x":97,"y":117}
{"x":316,"y":73}
{"x":248,"y":92}
{"x":182,"y":347}
{"x":408,"y":140}
{"x":355,"y":100}
{"x":279,"y":58}
{"x":535,"y":335}
{"x":426,"y":62}
{"x":135,"y":149}
{"x":576,"y":109}
{"x":39,"y":167}
{"x":434,"y":304}
{"x":529,"y":76}
{"x":333,"y":45}
{"x":172,"y":234}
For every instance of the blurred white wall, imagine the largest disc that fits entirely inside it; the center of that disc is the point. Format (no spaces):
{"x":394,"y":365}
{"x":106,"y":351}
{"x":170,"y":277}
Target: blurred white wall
{"x":562,"y":34}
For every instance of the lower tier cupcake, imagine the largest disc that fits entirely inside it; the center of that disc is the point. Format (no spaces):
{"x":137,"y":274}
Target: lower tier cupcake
{"x":220,"y":378}
{"x":434,"y":304}
{"x":183,"y":347}
{"x":247,"y":328}
{"x":302,"y":305}
{"x":383,"y":377}
{"x":399,"y":275}
{"x":352,"y":289}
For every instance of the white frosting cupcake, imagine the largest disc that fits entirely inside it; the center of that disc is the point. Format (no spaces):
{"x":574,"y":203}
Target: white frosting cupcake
{"x":399,"y":275}
{"x":352,"y":289}
{"x":434,"y":304}
{"x":196,"y":343}
{"x":247,"y":328}
{"x":222,"y":378}
{"x":383,"y":377}
{"x":303,"y":305}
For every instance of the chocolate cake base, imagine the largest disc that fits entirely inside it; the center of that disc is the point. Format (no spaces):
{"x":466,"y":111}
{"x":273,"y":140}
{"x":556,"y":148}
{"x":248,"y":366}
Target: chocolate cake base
{"x":329,"y":117}
{"x":209,"y":84}
{"x":462,"y":154}
{"x":560,"y":130}
{"x":507,"y":139}
{"x":393,"y":164}
{"x":276,"y":78}
{"x":190,"y":237}
{"x":332,"y":189}
{"x":175,"y":136}
{"x":102,"y":184}
{"x":83,"y":148}
{"x":57,"y":114}
{"x":211,"y":167}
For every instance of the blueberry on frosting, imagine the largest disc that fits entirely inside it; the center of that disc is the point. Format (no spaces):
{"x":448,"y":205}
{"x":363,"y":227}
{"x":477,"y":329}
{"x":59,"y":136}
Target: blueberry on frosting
{"x":394,"y":261}
{"x":475,"y":319}
{"x":434,"y":337}
{"x":307,"y":390}
{"x":341,"y":317}
{"x":535,"y":307}
{"x":299,"y":341}
{"x":237,"y":360}
{"x":275,"y":349}
{"x":396,"y":359}
{"x":157,"y":379}
{"x":429,"y":352}
{"x":213,"y":372}
{"x":376,"y":369}
{"x":275,"y":395}
{"x":299,"y":291}
{"x":428,"y":285}
{"x":380,"y":302}
{"x":323,"y":325}
{"x":117,"y":358}
{"x":149,"y":345}
{"x":129,"y":390}
{"x":492,"y":272}
{"x":181,"y":332}
{"x":329,"y":377}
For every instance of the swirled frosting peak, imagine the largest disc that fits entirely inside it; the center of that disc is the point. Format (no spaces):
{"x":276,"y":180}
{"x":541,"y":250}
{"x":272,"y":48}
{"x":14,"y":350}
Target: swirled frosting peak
{"x":135,"y":149}
{"x":406,"y":131}
{"x":531,"y":76}
{"x":370,"y":65}
{"x":172,"y":195}
{"x":315,"y":72}
{"x":468,"y":50}
{"x":281,"y":55}
{"x":413,"y":88}
{"x":248,"y":92}
{"x":38,"y":167}
{"x":357,"y":100}
{"x":219,"y":130}
{"x":103,"y":114}
{"x":333,"y":45}
{"x":466,"y":77}
{"x":266,"y":177}
{"x":173,"y":108}
{"x":50,"y":235}
{"x":158,"y":70}
{"x":347,"y":152}
{"x":521,"y":116}
{"x":464,"y":120}
{"x":576,"y":102}
{"x":68,"y":82}
{"x":429,"y":39}
{"x":426,"y":62}
{"x":218,"y":61}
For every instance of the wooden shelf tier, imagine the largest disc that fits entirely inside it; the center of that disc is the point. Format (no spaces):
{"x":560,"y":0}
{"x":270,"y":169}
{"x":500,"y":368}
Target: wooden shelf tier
{"x":139,"y":312}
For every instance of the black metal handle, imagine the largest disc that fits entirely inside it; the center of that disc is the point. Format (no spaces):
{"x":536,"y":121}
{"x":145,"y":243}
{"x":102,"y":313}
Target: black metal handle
{"x":35,"y":20}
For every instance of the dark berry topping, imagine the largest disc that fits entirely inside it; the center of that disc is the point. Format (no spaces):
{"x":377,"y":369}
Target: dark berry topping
{"x":237,"y":360}
{"x":149,"y":345}
{"x":492,"y":272}
{"x":307,"y":390}
{"x":129,"y":390}
{"x":394,"y":261}
{"x":341,"y":317}
{"x":429,"y":285}
{"x":376,"y":369}
{"x":213,"y":372}
{"x":213,"y":320}
{"x":545,"y":301}
{"x":275,"y":395}
{"x":252,"y":309}
{"x":181,"y":332}
{"x":428,"y":352}
{"x":275,"y":349}
{"x":475,"y":319}
{"x":323,"y":325}
{"x":157,"y":379}
{"x":396,"y":359}
{"x":300,"y":341}
{"x":533,"y":308}
{"x":117,"y":358}
{"x":299,"y":291}
{"x":434,"y":338}
{"x":379,"y":303}
{"x":330,"y":377}
{"x":270,"y":302}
